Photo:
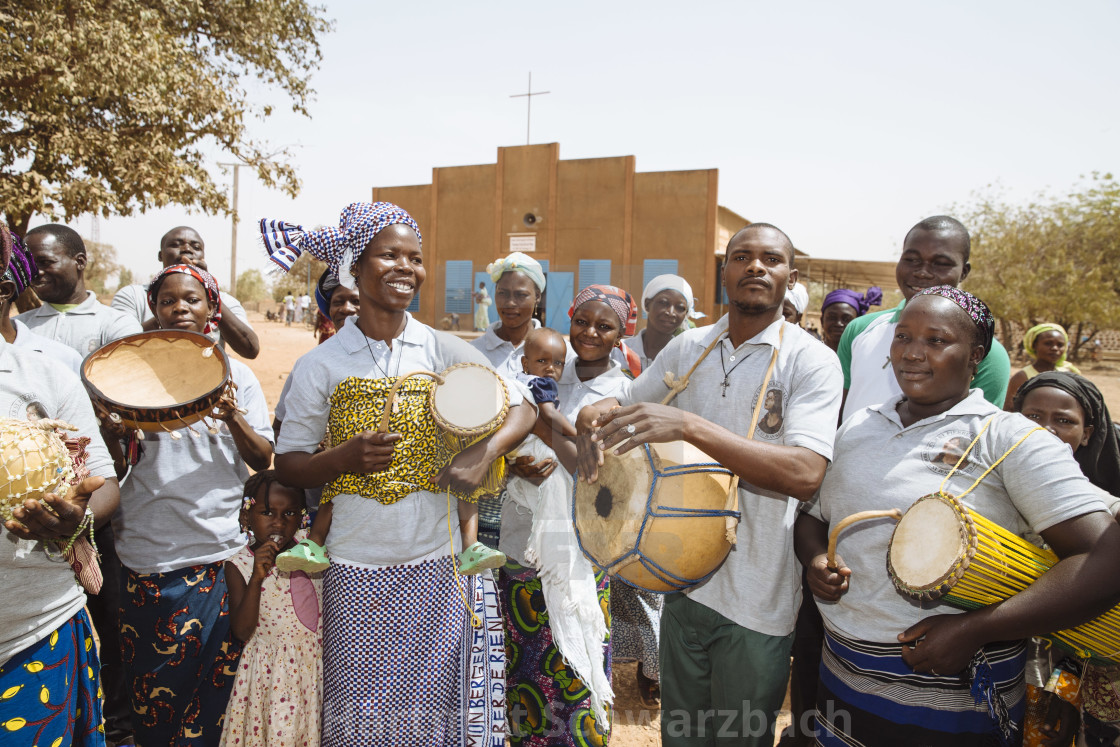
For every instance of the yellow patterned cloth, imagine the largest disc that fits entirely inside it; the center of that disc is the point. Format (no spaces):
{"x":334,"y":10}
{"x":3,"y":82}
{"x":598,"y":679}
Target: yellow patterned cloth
{"x":423,"y":450}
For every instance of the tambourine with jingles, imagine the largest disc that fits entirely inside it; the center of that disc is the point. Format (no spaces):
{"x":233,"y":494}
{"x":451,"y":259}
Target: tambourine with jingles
{"x":158,"y":381}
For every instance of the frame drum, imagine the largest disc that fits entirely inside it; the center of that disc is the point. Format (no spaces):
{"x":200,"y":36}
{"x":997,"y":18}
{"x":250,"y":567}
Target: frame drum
{"x":655,"y":518}
{"x":158,"y":381}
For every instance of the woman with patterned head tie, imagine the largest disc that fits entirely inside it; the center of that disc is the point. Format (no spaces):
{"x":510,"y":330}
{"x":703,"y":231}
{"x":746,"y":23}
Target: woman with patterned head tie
{"x":177,"y":525}
{"x":400,"y":652}
{"x":898,"y":672}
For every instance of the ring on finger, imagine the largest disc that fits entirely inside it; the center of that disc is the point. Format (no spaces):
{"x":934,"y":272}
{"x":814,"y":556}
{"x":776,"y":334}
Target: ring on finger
{"x":631,"y":429}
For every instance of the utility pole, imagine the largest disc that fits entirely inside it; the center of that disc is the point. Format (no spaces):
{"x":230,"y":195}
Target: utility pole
{"x":528,"y":96}
{"x":233,"y":239}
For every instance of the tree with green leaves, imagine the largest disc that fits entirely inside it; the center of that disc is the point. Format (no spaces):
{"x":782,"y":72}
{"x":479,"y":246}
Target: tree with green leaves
{"x":114,"y":107}
{"x":1053,"y":259}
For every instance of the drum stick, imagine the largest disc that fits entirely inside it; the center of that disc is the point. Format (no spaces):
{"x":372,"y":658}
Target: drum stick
{"x":383,"y":427}
{"x":676,"y":386}
{"x":847,"y":521}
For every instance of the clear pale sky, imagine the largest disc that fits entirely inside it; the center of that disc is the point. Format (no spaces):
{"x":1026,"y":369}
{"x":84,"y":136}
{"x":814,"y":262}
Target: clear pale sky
{"x":844,"y":123}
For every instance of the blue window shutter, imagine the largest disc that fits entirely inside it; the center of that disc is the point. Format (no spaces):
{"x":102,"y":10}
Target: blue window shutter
{"x":594,"y":272}
{"x":457,"y":287}
{"x":414,"y":304}
{"x":651,"y":268}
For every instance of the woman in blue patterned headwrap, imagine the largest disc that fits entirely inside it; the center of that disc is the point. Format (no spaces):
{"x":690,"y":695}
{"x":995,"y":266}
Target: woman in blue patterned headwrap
{"x":898,"y":672}
{"x":402,"y":662}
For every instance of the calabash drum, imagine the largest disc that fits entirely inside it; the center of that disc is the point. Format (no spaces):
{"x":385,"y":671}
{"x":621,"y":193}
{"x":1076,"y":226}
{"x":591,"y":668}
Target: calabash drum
{"x":656,"y":517}
{"x":942,"y":550}
{"x":468,"y":403}
{"x":158,"y":381}
{"x":34,"y":461}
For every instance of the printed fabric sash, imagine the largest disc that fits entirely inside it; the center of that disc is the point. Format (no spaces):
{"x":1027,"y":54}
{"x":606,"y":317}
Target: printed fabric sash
{"x":424,"y":449}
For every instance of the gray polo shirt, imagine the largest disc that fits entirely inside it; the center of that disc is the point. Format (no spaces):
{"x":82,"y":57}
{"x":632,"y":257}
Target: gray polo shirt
{"x":85,"y":328}
{"x":759,"y":585}
{"x":28,"y":340}
{"x":133,"y":301}
{"x":365,"y":532}
{"x":880,"y":464}
{"x":180,"y":503}
{"x":41,"y":594}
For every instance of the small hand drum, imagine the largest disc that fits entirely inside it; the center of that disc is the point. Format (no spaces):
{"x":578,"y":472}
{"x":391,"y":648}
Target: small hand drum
{"x":942,"y":550}
{"x":34,"y":461}
{"x":656,"y":517}
{"x":158,"y":381}
{"x":468,"y":403}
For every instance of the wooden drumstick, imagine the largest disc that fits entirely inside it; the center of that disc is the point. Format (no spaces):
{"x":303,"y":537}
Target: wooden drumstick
{"x":847,"y":521}
{"x":384,"y":425}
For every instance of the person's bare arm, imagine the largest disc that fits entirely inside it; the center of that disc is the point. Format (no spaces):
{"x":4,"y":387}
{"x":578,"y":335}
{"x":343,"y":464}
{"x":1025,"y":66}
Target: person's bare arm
{"x":254,"y":448}
{"x":33,"y":522}
{"x":369,"y":451}
{"x":245,"y":598}
{"x":810,"y":538}
{"x":239,"y":336}
{"x":789,"y":470}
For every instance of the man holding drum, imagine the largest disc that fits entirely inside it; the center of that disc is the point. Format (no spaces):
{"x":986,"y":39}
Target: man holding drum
{"x":725,"y":643}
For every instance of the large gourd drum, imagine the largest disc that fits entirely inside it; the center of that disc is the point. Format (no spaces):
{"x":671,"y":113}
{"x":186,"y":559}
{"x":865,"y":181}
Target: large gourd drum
{"x":34,"y":461}
{"x":656,"y":517}
{"x":158,"y":381}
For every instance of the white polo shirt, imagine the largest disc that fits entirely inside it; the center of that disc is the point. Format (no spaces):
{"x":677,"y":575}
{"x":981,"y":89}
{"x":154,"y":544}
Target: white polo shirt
{"x":759,"y":585}
{"x":85,"y":328}
{"x":503,"y":356}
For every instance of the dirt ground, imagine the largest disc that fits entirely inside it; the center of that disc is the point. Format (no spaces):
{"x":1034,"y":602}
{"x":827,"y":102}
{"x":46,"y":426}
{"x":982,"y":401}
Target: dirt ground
{"x":634,"y":726}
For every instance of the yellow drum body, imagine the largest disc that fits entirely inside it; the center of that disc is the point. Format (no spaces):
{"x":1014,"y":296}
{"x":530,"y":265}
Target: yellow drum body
{"x":942,"y":550}
{"x":33,"y":462}
{"x":468,"y":404}
{"x":656,"y":517}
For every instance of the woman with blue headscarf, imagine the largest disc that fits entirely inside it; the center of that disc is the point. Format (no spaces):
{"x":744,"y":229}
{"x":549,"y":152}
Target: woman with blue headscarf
{"x":407,"y":659}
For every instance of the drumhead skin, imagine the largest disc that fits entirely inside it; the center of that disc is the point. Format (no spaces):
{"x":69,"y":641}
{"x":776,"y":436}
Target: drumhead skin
{"x":158,"y":381}
{"x":617,"y":518}
{"x":472,"y":400}
{"x":929,"y":545}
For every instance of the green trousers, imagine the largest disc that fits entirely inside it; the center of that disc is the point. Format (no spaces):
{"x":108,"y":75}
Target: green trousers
{"x":721,"y":684}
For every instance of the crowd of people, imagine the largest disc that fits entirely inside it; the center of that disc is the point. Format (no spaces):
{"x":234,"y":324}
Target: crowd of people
{"x":309,"y":581}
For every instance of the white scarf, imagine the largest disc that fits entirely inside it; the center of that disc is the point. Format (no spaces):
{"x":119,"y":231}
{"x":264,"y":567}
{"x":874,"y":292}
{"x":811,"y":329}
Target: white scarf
{"x":567,"y":578}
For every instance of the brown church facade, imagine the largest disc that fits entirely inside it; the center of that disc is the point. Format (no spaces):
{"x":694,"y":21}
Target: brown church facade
{"x":595,"y":220}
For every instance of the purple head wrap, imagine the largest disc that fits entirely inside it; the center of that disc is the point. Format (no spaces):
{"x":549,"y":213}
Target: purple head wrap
{"x":20,"y":263}
{"x":976,"y":309}
{"x":338,"y":247}
{"x":861,"y":304}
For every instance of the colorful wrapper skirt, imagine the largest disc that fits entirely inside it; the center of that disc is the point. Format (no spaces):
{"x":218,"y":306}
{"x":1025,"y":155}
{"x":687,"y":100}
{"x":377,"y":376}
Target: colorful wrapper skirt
{"x":869,"y":696}
{"x":179,"y":654}
{"x":402,"y":663}
{"x":49,"y":692}
{"x":548,"y":704}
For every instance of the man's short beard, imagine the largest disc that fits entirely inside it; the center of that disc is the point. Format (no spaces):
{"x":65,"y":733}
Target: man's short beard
{"x":753,"y":309}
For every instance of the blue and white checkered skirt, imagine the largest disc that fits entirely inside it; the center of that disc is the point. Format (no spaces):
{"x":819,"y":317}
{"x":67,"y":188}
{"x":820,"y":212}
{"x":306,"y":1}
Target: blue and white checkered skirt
{"x":402,"y":664}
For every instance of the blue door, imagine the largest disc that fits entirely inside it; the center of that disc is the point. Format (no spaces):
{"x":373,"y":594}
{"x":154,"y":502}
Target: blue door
{"x":561,"y":287}
{"x":484,"y":277}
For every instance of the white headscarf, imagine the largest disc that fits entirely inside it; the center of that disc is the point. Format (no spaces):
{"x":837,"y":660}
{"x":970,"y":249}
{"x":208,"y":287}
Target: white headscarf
{"x":668,"y":282}
{"x":799,"y":297}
